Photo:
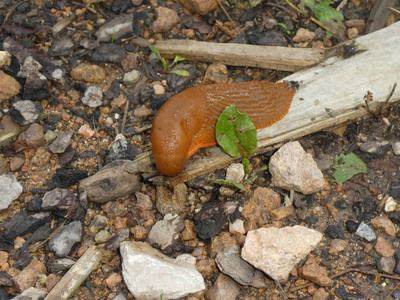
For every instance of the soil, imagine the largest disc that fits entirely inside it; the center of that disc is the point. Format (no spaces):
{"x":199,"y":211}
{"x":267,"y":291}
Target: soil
{"x":359,"y":199}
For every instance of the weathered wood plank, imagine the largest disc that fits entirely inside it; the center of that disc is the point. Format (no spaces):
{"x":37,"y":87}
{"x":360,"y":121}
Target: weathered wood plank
{"x":268,"y":57}
{"x":71,"y":281}
{"x":336,"y":84}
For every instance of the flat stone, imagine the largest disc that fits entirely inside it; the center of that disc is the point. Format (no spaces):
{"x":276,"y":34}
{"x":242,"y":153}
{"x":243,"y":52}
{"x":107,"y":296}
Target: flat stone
{"x":315,"y":273}
{"x":9,"y":87}
{"x":366,"y":232}
{"x":263,"y":247}
{"x":202,"y":7}
{"x":149,"y":274}
{"x":25,"y":112}
{"x":223,"y":243}
{"x":337,"y":246}
{"x":303,"y":35}
{"x":235,"y":266}
{"x":386,"y":264}
{"x":108,"y":52}
{"x":165,"y":19}
{"x":168,"y":202}
{"x":61,"y":143}
{"x":383,"y":247}
{"x":119,"y":26}
{"x":224,"y":288}
{"x":216,"y":73}
{"x":31,"y":293}
{"x":62,"y":242}
{"x":385,"y":224}
{"x":165,"y":233}
{"x":111,"y":182}
{"x":256,"y":209}
{"x":132,"y":77}
{"x":281,"y":212}
{"x":88,"y":72}
{"x":34,"y":136}
{"x":93,"y":96}
{"x":294,"y":169}
{"x":10,"y":189}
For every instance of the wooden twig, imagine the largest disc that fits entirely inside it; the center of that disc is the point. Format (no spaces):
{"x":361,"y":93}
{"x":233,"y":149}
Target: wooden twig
{"x":268,"y":57}
{"x":385,"y":105}
{"x":379,"y":14}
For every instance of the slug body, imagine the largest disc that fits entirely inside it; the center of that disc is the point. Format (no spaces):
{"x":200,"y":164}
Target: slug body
{"x":186,"y":122}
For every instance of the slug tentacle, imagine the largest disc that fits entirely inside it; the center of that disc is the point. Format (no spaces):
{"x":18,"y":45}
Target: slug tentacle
{"x":186,"y":122}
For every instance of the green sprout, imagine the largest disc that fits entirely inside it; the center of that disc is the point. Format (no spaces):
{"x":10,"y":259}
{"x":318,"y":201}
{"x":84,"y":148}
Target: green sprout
{"x":113,"y":37}
{"x":287,"y":31}
{"x":167,"y":67}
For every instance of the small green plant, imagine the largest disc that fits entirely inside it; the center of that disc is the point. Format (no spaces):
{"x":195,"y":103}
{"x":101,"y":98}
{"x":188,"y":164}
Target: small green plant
{"x":347,"y":166}
{"x":287,"y":31}
{"x":98,"y":16}
{"x":167,"y":67}
{"x":32,"y":3}
{"x":323,"y":11}
{"x":113,"y":37}
{"x":254,"y":3}
{"x":236,"y":134}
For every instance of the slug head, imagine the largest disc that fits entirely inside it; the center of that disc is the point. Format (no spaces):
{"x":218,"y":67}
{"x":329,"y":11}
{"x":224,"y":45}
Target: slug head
{"x":174,"y":127}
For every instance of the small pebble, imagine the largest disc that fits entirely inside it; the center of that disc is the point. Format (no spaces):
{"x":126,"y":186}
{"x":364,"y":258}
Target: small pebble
{"x":366,"y":232}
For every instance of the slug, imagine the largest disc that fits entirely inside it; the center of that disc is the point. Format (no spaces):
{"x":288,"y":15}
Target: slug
{"x":186,"y":122}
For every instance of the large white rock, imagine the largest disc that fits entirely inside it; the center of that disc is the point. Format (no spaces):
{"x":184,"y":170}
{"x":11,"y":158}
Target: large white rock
{"x":149,"y":274}
{"x":277,"y":250}
{"x":294,"y":169}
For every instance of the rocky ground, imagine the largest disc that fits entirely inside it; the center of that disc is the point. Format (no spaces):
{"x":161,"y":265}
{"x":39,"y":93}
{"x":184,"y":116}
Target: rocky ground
{"x":79,"y":87}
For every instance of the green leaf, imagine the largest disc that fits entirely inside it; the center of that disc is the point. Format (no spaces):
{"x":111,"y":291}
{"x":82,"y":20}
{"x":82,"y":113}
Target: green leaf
{"x":178,"y":59}
{"x":347,"y":166}
{"x":162,"y":59}
{"x":235,"y":133}
{"x":180,"y":72}
{"x":323,"y":11}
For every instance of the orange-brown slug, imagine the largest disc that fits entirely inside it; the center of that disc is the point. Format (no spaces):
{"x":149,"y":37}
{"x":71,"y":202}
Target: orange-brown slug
{"x":186,"y":122}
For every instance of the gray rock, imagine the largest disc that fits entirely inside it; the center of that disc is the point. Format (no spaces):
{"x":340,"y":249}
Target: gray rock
{"x":54,"y":198}
{"x":61,"y":143}
{"x":98,"y":223}
{"x":63,"y":241}
{"x":386,"y":264}
{"x":93,"y":96}
{"x":31,"y":294}
{"x":149,"y":274}
{"x":61,"y":264}
{"x":276,"y":251}
{"x":294,"y":169}
{"x":224,"y":288}
{"x":10,"y":189}
{"x":110,"y":183}
{"x":396,"y":148}
{"x":61,"y":45}
{"x":108,"y":52}
{"x":121,"y":25}
{"x":374,"y":147}
{"x":121,"y":148}
{"x":171,"y":203}
{"x":120,"y":296}
{"x":234,"y":172}
{"x":103,"y":236}
{"x":165,"y":233}
{"x":241,"y":271}
{"x":29,"y":67}
{"x":26,"y":112}
{"x":120,"y":236}
{"x":132,"y":77}
{"x":366,"y":232}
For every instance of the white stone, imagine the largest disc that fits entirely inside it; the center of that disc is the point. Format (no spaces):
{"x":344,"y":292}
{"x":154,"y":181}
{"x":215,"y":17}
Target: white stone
{"x":149,"y":274}
{"x":277,"y":250}
{"x":396,"y":148}
{"x":158,"y":89}
{"x":93,"y":96}
{"x":237,"y":227}
{"x":390,"y":204}
{"x":294,"y":169}
{"x":132,"y":77}
{"x":166,"y":232}
{"x":234,"y":172}
{"x":10,"y":189}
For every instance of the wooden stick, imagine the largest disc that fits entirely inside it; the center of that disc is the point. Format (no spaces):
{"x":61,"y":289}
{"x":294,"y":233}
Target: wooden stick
{"x":268,"y":57}
{"x":71,"y":281}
